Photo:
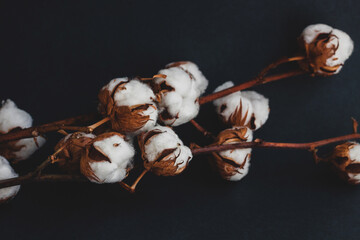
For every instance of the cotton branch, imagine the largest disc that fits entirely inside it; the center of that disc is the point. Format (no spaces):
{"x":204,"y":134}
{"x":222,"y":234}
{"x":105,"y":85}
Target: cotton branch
{"x":260,"y":79}
{"x":50,"y":127}
{"x":264,"y":144}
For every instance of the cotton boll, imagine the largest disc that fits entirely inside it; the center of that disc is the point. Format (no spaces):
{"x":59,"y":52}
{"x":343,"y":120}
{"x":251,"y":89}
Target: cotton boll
{"x":107,"y":159}
{"x":178,"y":92}
{"x":163,"y":152}
{"x":130,"y":104}
{"x":234,"y":109}
{"x":6,"y":172}
{"x":72,"y":146}
{"x":326,"y":49}
{"x":260,"y":106}
{"x":233,"y":165}
{"x":11,"y":119}
{"x":27,"y":147}
{"x":200,"y":80}
{"x":346,"y":160}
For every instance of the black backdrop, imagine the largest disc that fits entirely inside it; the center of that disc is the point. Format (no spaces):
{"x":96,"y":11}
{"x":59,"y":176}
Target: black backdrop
{"x":55,"y":55}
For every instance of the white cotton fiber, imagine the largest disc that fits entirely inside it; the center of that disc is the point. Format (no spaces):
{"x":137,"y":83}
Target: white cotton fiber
{"x":6,"y":172}
{"x":185,"y":83}
{"x":239,"y":156}
{"x":254,"y":107}
{"x":340,"y":40}
{"x":167,"y":139}
{"x":134,"y":93}
{"x":12,"y":117}
{"x":120,"y":154}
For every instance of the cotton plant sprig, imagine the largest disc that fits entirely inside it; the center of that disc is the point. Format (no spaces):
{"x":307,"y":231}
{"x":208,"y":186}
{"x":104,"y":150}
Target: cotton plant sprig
{"x":147,"y":108}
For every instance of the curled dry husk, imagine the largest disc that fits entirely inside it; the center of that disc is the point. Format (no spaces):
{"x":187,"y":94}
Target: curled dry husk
{"x":73,"y":146}
{"x":326,"y":49}
{"x":127,"y":118}
{"x":107,"y":158}
{"x":346,"y":160}
{"x":163,"y":152}
{"x":233,"y":164}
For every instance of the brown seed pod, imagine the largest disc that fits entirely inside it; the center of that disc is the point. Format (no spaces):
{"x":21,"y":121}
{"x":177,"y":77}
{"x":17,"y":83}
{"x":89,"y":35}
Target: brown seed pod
{"x":326,"y":49}
{"x":163,"y":152}
{"x":107,"y":158}
{"x":71,"y":148}
{"x":346,"y":160}
{"x":130,"y":104}
{"x":233,"y":164}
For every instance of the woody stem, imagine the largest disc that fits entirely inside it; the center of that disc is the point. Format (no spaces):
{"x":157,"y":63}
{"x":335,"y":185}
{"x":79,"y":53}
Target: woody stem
{"x":201,"y":129}
{"x":49,"y":127}
{"x":260,"y":79}
{"x":133,"y":186}
{"x":264,"y":144}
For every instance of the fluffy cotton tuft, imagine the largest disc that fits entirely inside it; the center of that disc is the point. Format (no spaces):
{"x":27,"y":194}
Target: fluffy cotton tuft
{"x":163,"y":151}
{"x":327,"y":48}
{"x":130,"y":104}
{"x":247,"y":108}
{"x":240,"y":156}
{"x":11,"y":117}
{"x":110,"y":161}
{"x":6,"y":172}
{"x":179,"y":91}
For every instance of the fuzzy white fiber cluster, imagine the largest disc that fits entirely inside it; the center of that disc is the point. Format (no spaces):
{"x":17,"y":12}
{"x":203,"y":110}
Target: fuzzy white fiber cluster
{"x":340,"y":39}
{"x":12,"y":117}
{"x":167,"y":139}
{"x":6,"y":171}
{"x":252,"y":103}
{"x":120,"y":154}
{"x":136,"y":93}
{"x":354,"y":154}
{"x":188,"y":83}
{"x":239,"y":156}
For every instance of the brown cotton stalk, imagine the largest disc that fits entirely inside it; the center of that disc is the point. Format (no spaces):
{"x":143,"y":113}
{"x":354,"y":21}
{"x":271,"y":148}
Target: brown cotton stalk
{"x":260,"y":79}
{"x":201,"y":129}
{"x":132,"y":188}
{"x":263,"y":144}
{"x":49,"y":127}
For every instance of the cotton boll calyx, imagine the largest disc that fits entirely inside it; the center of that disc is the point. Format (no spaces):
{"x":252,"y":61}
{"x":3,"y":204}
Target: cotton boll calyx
{"x":247,"y":108}
{"x":107,"y":158}
{"x":163,"y":152}
{"x":233,"y":165}
{"x":6,"y":172}
{"x":130,"y":104}
{"x":72,"y":147}
{"x":326,"y":49}
{"x":346,"y":160}
{"x":178,"y":92}
{"x":13,"y":119}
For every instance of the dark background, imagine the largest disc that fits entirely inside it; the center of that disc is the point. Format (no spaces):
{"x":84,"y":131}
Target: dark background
{"x":55,"y":55}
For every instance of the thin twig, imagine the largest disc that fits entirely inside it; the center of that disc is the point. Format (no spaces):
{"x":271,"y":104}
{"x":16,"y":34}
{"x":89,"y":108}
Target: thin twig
{"x":49,"y":127}
{"x":249,"y":84}
{"x":263,"y":144}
